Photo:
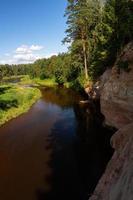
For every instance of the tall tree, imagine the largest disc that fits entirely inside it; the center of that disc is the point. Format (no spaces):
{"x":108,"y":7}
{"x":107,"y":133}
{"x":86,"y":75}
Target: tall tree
{"x":83,"y":16}
{"x":124,"y":26}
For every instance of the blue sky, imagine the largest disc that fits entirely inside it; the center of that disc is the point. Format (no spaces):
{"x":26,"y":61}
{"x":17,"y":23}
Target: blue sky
{"x":31,"y":29}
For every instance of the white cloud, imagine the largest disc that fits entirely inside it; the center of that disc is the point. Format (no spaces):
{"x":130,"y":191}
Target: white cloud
{"x":25,"y":58}
{"x":25,"y":54}
{"x":21,"y":59}
{"x":36,"y":48}
{"x":25,"y":49}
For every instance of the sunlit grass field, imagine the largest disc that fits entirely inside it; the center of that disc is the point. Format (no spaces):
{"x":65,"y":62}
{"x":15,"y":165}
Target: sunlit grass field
{"x":15,"y":100}
{"x":26,"y":80}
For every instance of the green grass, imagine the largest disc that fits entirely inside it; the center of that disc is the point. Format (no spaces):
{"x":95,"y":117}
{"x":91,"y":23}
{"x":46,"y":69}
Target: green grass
{"x":37,"y":82}
{"x":77,"y":84}
{"x":45,"y":82}
{"x":25,"y":80}
{"x":6,"y":78}
{"x":15,"y":100}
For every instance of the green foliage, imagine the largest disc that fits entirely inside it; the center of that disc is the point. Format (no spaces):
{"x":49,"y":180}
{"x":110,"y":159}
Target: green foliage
{"x":45,"y":82}
{"x":124,"y":25}
{"x":26,"y":80}
{"x":106,"y":33}
{"x":15,"y":100}
{"x":59,"y":78}
{"x":96,"y":33}
{"x":83,"y":17}
{"x":76,"y":85}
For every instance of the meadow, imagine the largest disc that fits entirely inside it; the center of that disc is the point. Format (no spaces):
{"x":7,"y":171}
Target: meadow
{"x":15,"y":100}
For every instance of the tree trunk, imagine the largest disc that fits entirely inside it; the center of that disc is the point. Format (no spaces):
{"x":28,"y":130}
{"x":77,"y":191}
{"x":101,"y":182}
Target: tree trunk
{"x":85,"y":60}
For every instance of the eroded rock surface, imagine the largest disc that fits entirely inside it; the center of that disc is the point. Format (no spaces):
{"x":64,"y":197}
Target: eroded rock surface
{"x":117,"y":93}
{"x":117,"y":182}
{"x":117,"y":106}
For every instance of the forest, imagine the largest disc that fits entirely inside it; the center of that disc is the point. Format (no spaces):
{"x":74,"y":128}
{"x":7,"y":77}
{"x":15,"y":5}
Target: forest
{"x":66,"y":120}
{"x":96,"y":32}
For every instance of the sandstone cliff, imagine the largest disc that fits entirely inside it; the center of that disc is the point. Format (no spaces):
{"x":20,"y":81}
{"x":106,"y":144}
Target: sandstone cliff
{"x":116,"y":97}
{"x":117,"y":92}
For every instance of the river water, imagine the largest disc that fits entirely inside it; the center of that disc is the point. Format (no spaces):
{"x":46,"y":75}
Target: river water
{"x":58,"y":150}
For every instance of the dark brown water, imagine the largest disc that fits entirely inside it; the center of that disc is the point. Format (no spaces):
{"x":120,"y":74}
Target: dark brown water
{"x":58,"y":150}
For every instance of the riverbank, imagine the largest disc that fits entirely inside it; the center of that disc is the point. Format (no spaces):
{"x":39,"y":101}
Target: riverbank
{"x":17,"y":94}
{"x":78,"y":84}
{"x":26,"y":80}
{"x":15,"y":100}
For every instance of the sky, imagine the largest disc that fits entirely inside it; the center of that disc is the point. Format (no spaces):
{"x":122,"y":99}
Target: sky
{"x":31,"y":29}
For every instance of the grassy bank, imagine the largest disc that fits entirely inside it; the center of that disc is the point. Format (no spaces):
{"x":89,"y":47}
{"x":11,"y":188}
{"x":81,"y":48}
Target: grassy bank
{"x":25,"y":80}
{"x":15,"y":100}
{"x":78,"y":84}
{"x":9,"y":78}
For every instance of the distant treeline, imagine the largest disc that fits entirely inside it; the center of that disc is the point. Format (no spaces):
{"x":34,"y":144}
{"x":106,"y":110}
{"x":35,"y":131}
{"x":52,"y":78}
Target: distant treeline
{"x":58,"y":67}
{"x":97,"y":31}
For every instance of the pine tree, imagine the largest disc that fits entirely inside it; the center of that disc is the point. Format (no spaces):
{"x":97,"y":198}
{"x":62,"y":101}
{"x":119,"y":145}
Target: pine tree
{"x":83,"y":16}
{"x":124,"y":26}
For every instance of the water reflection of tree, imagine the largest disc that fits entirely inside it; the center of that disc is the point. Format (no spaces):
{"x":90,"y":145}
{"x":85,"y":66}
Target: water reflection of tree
{"x":85,"y":115}
{"x":93,"y":147}
{"x":63,"y":97}
{"x":80,"y":154}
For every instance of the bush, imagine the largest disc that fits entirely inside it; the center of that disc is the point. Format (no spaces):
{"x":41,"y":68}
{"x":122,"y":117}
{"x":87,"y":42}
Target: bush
{"x":59,"y":78}
{"x":76,"y":85}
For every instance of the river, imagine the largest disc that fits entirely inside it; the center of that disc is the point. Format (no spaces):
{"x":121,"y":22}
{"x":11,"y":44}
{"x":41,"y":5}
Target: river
{"x":58,"y":150}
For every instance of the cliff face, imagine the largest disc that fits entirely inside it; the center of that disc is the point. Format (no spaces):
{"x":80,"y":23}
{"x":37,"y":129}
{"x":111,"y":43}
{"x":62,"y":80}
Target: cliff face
{"x":117,"y":182}
{"x":116,"y":94}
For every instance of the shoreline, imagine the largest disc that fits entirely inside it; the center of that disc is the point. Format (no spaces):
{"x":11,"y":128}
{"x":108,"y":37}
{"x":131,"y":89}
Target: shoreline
{"x":22,"y":101}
